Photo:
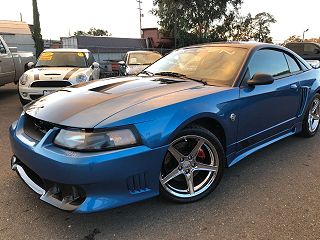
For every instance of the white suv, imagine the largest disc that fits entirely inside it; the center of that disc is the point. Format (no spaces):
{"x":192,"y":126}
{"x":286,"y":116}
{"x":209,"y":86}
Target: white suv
{"x":56,"y":69}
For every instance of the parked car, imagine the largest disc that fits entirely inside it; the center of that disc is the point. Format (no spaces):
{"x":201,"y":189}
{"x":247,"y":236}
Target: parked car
{"x":56,"y":69}
{"x":170,"y":130}
{"x":12,"y":63}
{"x":135,"y":61}
{"x":307,"y":50}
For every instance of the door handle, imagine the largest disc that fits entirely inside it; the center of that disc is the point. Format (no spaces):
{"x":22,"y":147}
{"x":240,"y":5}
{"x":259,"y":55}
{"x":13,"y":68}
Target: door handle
{"x":294,"y":86}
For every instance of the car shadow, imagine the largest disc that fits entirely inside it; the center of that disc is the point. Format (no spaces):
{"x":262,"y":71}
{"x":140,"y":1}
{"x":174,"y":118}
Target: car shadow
{"x":253,"y":178}
{"x":8,"y":91}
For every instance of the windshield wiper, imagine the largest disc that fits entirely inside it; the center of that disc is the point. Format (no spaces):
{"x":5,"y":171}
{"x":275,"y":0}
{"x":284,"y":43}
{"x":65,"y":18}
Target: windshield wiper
{"x":150,"y":74}
{"x":180,"y":75}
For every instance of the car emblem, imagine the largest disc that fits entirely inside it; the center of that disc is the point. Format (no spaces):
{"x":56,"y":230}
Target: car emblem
{"x":233,"y":117}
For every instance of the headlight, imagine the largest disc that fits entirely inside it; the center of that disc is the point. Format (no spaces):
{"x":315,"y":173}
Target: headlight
{"x":24,"y":79}
{"x":81,"y":78}
{"x":94,"y":141}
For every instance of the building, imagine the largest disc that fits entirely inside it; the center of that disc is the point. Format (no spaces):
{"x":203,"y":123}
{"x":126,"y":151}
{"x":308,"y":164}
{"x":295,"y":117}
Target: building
{"x":17,"y":34}
{"x":105,"y":48}
{"x":108,"y":51}
{"x":157,"y":38}
{"x":48,"y":43}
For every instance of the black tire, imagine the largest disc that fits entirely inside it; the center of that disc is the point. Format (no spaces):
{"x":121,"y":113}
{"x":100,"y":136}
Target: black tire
{"x":212,"y":144}
{"x":306,"y":131}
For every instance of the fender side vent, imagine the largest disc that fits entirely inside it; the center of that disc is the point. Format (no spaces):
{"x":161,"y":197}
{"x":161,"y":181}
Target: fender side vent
{"x":137,"y":183}
{"x":303,"y":101}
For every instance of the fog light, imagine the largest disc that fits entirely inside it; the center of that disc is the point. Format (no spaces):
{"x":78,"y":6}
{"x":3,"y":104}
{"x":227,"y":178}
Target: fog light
{"x":25,"y":94}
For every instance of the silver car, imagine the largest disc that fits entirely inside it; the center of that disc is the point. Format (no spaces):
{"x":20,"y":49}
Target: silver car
{"x":136,"y":61}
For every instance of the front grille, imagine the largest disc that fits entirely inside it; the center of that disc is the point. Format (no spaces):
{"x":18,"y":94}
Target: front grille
{"x":51,"y":84}
{"x":35,"y":96}
{"x":35,"y":128}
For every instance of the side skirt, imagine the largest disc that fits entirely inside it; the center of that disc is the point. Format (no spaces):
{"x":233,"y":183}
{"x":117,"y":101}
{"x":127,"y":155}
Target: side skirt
{"x":233,"y":159}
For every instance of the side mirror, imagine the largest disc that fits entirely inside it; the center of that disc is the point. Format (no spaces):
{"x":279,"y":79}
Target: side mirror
{"x":30,"y":65}
{"x":95,"y":65}
{"x":314,"y":63}
{"x":122,"y":63}
{"x":261,"y":79}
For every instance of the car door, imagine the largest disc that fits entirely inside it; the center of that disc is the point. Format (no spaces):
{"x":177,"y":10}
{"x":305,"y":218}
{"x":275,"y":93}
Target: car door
{"x":268,"y":110}
{"x":7,"y":70}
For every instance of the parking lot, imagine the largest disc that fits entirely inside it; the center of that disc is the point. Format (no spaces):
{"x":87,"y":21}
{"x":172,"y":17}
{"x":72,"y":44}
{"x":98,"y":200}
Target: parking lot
{"x":273,"y":194}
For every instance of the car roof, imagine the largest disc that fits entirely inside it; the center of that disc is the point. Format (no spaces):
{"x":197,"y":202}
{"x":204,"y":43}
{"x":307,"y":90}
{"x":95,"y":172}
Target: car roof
{"x":66,"y":50}
{"x":239,"y":44}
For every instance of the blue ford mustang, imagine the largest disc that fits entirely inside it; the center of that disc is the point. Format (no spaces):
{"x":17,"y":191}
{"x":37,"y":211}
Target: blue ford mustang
{"x":170,"y":130}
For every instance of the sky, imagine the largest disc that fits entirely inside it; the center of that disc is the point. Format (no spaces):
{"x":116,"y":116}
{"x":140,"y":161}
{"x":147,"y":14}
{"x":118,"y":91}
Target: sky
{"x":59,"y":18}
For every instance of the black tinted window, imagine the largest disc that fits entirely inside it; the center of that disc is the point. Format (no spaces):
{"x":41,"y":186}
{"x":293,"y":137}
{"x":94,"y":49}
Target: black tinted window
{"x":2,"y":49}
{"x":293,"y":65}
{"x":310,"y":48}
{"x":268,"y":62}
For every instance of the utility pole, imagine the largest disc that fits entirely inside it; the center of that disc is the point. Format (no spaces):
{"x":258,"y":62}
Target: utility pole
{"x":140,"y":15}
{"x":21,"y":20}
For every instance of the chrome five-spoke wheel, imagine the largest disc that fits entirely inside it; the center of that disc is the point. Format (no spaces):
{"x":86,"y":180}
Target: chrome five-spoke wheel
{"x":314,"y":115}
{"x":190,"y":167}
{"x":311,"y":120}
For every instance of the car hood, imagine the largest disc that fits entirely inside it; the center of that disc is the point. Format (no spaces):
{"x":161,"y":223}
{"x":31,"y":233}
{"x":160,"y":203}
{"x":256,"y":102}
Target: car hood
{"x":55,"y":73}
{"x":86,"y":105}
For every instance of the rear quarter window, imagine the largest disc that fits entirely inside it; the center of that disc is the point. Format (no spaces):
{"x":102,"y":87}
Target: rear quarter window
{"x":293,"y":65}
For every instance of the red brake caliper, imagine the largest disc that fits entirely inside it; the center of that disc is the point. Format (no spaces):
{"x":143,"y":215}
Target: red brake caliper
{"x":201,"y":154}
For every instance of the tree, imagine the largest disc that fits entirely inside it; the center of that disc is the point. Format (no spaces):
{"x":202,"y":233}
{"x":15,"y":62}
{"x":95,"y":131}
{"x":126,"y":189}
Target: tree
{"x":36,"y":33}
{"x":202,"y":21}
{"x":235,"y":28}
{"x":93,"y":32}
{"x":98,"y":32}
{"x":261,"y":25}
{"x":193,"y":16}
{"x":80,"y":33}
{"x":295,"y":38}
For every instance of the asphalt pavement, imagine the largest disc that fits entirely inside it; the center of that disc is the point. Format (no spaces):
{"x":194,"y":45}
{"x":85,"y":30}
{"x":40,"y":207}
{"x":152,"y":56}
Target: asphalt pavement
{"x":272,"y":194}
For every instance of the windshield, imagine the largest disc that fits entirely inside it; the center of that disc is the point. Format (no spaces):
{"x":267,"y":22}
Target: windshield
{"x":143,"y":58}
{"x":214,"y":65}
{"x":62,"y":59}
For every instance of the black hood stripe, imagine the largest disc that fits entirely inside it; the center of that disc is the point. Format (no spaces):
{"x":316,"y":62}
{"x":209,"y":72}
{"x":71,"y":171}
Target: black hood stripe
{"x":69,"y":74}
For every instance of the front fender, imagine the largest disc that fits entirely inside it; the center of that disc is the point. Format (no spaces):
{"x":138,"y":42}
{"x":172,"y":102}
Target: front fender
{"x":159,"y":126}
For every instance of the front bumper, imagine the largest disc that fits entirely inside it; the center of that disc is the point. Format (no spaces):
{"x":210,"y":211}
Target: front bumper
{"x":33,"y":93}
{"x":106,"y":179}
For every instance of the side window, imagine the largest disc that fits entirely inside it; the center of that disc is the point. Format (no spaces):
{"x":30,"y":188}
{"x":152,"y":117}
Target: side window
{"x":268,"y":62}
{"x":310,"y":48}
{"x":90,"y":59}
{"x":293,"y":65}
{"x":2,"y":49}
